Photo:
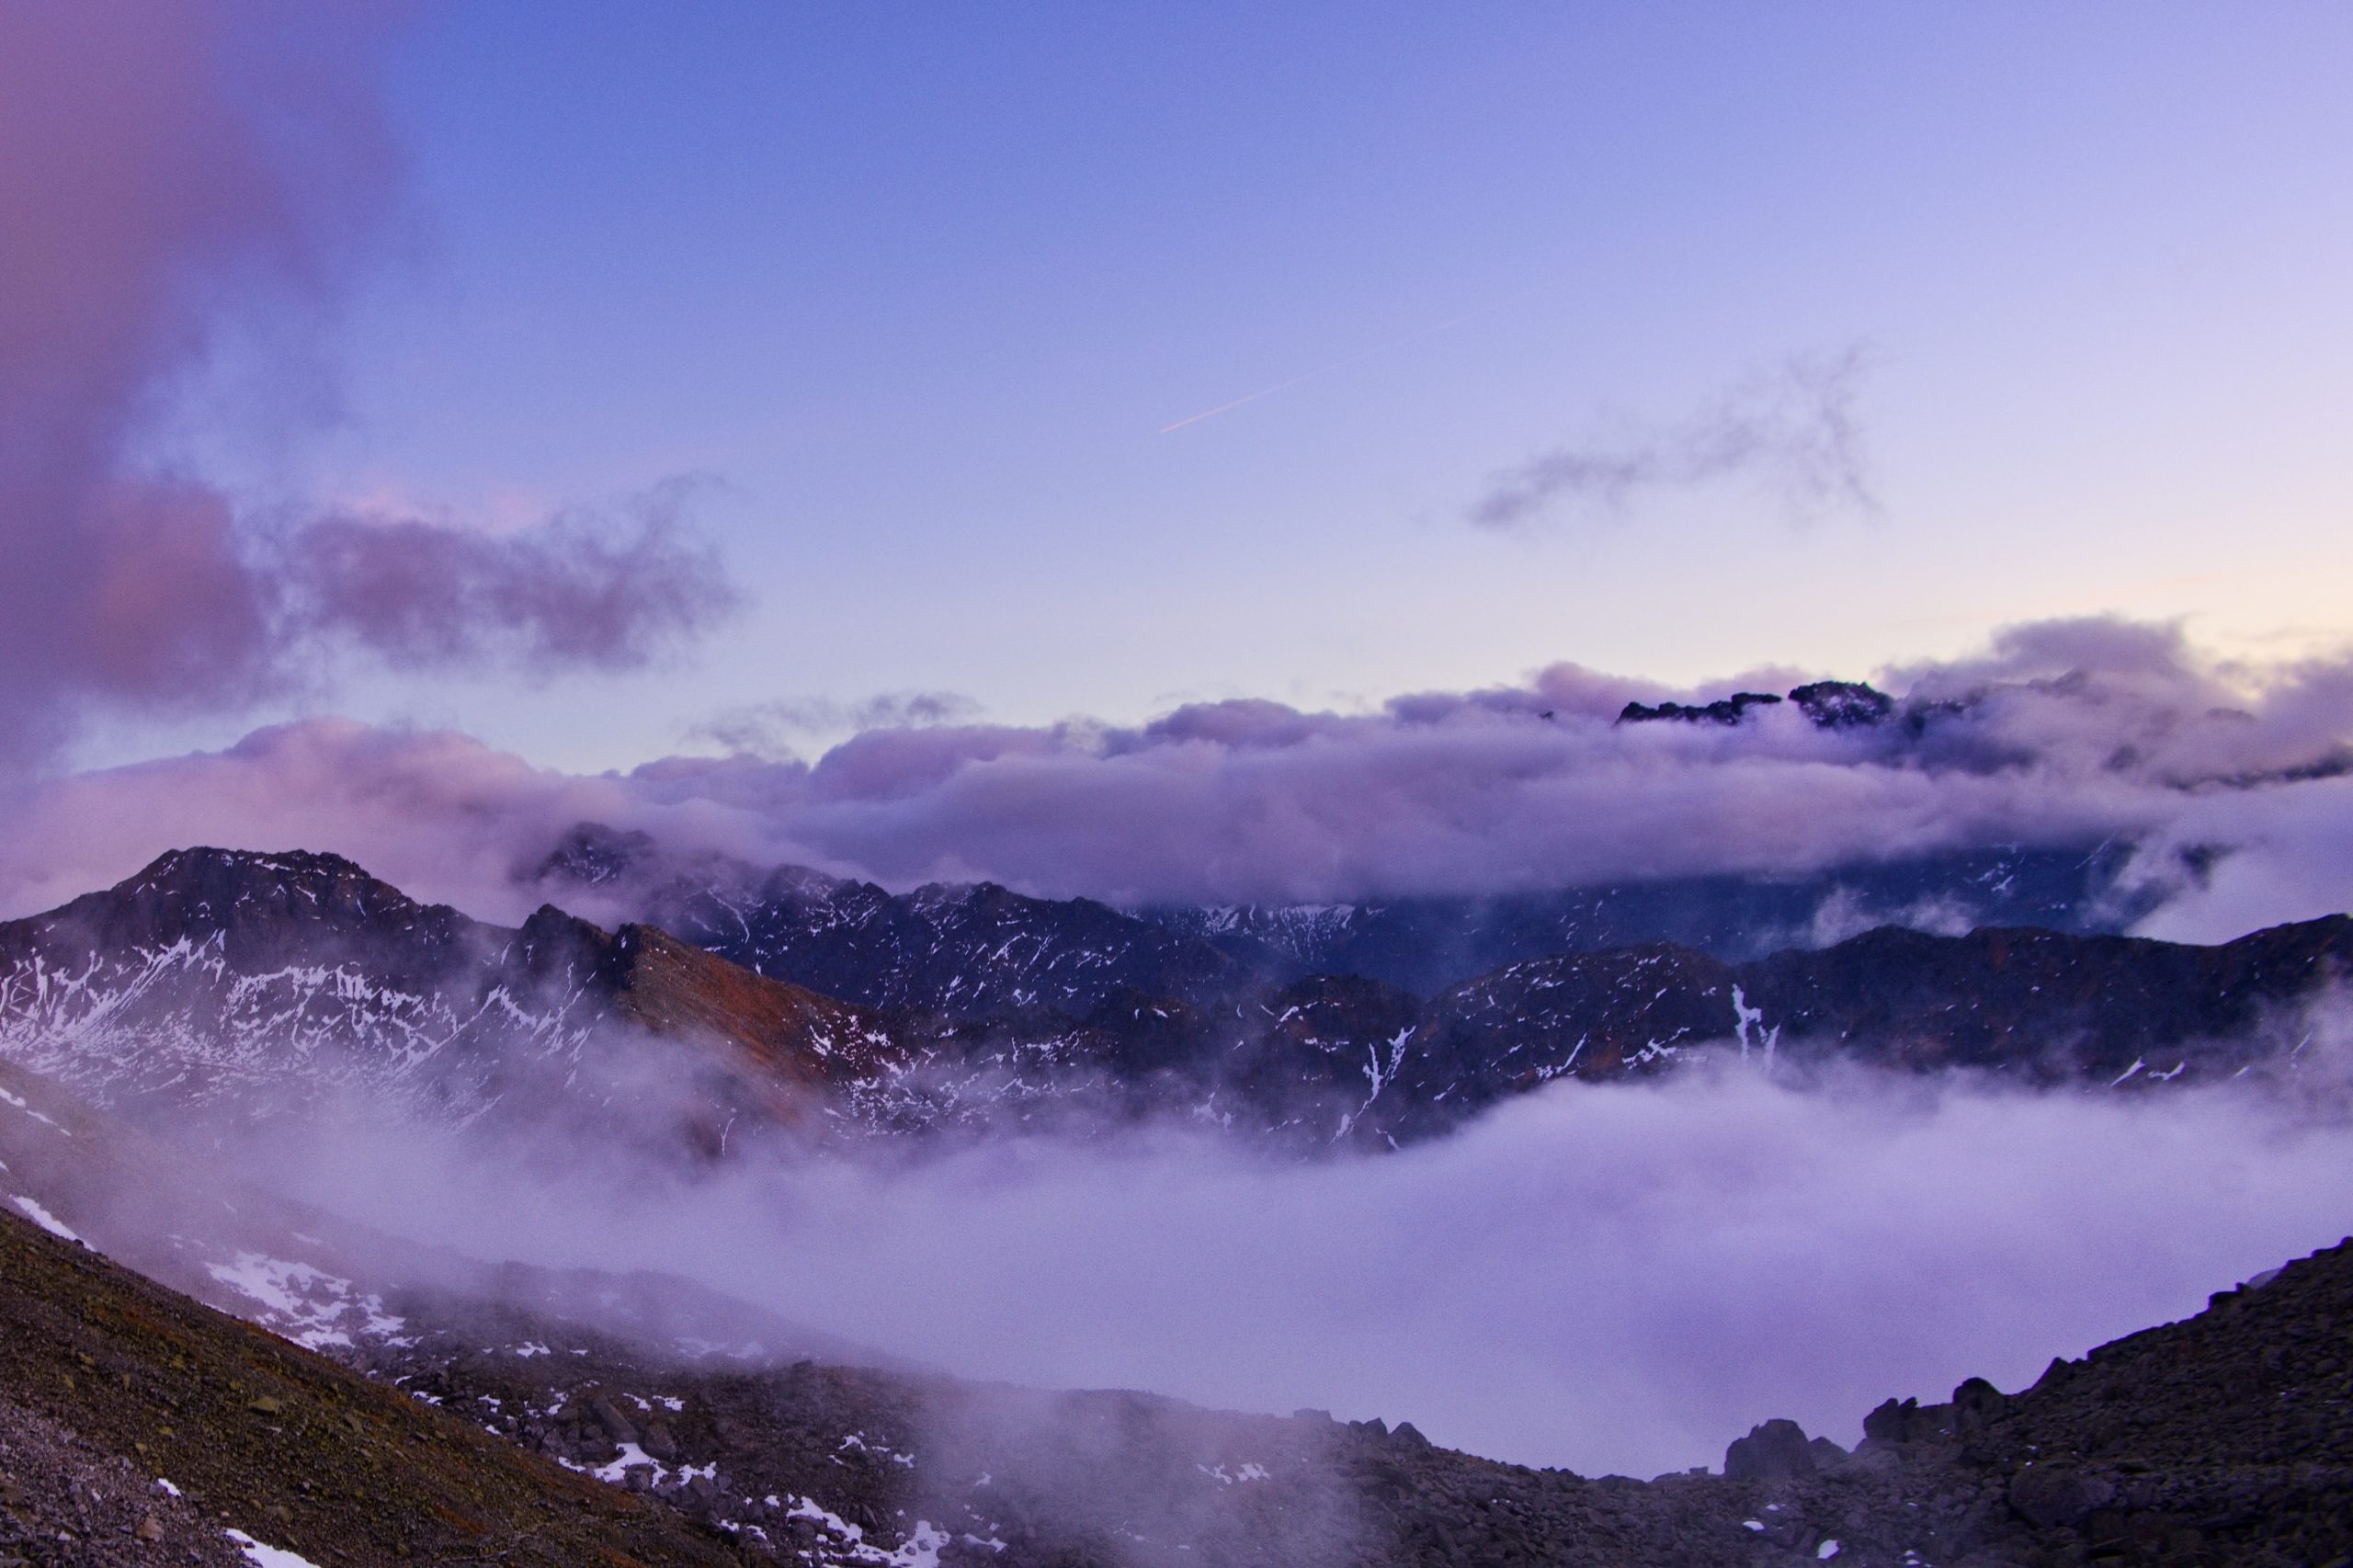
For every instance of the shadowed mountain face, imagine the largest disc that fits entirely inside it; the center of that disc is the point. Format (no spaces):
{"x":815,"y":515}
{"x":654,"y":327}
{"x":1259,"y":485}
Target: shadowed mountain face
{"x":959,"y":950}
{"x":970,"y":949}
{"x":1426,"y":944}
{"x":256,"y":982}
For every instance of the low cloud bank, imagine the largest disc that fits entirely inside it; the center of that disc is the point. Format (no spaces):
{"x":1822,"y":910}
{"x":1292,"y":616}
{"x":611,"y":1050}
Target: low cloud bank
{"x":1614,"y":1279}
{"x":2234,"y":782}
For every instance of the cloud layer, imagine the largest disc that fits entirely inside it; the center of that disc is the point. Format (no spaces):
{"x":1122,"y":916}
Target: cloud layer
{"x":1615,"y":1280}
{"x":171,"y":174}
{"x":2234,"y":783}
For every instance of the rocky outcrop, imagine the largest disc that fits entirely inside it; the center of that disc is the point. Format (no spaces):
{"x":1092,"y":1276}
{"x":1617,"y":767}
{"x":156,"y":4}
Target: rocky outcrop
{"x":1827,"y":704}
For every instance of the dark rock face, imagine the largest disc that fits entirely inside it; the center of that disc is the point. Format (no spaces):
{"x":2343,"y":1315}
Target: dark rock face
{"x":2044,"y":1004}
{"x":2056,"y":1494}
{"x":1777,"y":1450}
{"x":1723,"y":710}
{"x":1897,"y":1423}
{"x":1976,"y":1405}
{"x":2104,"y":1012}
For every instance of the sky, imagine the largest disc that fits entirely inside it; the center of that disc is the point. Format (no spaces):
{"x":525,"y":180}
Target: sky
{"x":1151,"y":453}
{"x":902,"y":301}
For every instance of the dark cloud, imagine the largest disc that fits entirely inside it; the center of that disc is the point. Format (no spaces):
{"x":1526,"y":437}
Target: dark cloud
{"x":1792,"y":431}
{"x":581,"y":591}
{"x":172,"y":174}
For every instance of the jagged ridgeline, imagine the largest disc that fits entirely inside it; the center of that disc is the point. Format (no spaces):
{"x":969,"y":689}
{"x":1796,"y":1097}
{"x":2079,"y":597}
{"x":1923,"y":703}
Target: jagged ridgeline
{"x":257,"y":984}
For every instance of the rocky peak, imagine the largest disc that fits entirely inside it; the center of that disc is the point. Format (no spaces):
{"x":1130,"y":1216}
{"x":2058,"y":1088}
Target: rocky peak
{"x":257,"y":903}
{"x":1842,"y":704}
{"x":211,"y":875}
{"x":591,"y":854}
{"x":1827,"y":704}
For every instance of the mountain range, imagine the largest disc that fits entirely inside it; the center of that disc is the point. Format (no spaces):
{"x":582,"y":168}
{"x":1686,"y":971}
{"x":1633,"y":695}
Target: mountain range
{"x":265,"y":983}
{"x":969,"y":947}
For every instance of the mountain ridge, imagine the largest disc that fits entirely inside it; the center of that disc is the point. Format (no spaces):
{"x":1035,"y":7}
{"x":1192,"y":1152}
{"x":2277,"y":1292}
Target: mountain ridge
{"x":211,"y":973}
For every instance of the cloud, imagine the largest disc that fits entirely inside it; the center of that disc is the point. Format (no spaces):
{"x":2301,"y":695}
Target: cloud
{"x":1613,"y":1279}
{"x":173,"y":177}
{"x":1793,"y":432}
{"x":2235,"y":782}
{"x":579,"y":591}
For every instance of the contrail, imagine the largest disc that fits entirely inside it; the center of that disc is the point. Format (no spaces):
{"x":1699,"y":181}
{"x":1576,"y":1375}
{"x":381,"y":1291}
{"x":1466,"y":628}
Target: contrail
{"x":1320,"y":369}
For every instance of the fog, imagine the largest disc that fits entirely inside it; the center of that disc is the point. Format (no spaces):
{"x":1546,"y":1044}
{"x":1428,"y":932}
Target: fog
{"x":1610,"y":1278}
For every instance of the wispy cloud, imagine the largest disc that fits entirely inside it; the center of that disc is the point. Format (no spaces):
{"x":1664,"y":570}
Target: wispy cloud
{"x":1793,"y":432}
{"x":767,"y":729}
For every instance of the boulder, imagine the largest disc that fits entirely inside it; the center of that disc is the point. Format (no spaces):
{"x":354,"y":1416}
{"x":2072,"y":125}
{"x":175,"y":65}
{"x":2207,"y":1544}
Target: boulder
{"x":616,"y":1425}
{"x":1977,"y":1404}
{"x":1775,"y":1450}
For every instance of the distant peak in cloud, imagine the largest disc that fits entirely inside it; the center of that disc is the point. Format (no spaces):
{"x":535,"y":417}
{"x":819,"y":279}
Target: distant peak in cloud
{"x":1792,"y":431}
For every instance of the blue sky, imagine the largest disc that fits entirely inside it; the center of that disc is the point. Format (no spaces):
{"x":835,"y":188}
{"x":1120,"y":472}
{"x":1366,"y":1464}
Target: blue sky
{"x":916,"y":289}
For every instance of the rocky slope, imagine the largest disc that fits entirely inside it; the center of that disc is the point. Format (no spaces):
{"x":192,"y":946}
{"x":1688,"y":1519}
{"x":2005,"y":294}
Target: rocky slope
{"x":139,"y":1426}
{"x":2227,"y":1438}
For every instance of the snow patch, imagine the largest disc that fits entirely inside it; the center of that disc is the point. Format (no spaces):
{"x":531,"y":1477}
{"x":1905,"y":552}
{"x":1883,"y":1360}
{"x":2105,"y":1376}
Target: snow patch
{"x":44,"y":1219}
{"x":311,"y":1307}
{"x":267,"y":1556}
{"x":19,"y":1102}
